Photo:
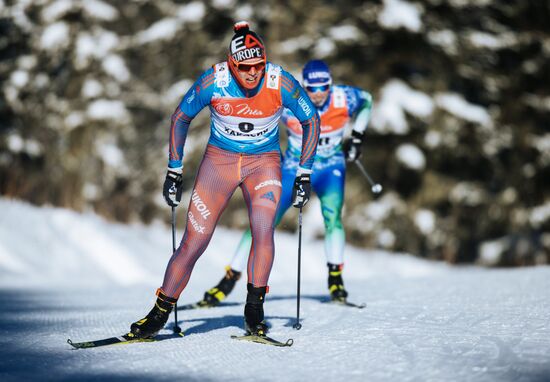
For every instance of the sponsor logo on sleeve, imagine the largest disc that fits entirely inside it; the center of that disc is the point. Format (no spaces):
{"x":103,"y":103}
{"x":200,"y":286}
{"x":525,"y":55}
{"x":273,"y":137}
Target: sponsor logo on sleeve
{"x":191,"y":97}
{"x":305,"y":107}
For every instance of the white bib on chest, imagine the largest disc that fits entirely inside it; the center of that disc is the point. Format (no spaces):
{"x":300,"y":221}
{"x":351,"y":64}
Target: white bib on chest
{"x":339,"y":97}
{"x":222,"y":76}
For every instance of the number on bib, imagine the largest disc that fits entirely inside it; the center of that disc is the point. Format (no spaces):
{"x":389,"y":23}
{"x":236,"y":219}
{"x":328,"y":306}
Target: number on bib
{"x":324,"y":141}
{"x":246,"y":127}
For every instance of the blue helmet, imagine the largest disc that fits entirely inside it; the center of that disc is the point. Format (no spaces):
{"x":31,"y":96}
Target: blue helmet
{"x":316,"y":73}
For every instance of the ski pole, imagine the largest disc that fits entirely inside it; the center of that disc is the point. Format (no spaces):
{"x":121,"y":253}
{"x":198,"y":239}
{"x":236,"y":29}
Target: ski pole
{"x":177,"y":329}
{"x":297,"y":325}
{"x":376,"y":187}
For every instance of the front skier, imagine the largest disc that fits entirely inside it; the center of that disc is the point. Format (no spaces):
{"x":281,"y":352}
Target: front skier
{"x":246,"y":96}
{"x":336,"y":105}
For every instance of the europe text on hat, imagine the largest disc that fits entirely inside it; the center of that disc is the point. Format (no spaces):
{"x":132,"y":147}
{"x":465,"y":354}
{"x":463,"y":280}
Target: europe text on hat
{"x":246,"y":45}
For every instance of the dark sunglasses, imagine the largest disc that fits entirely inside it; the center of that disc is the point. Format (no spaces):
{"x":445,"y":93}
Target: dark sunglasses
{"x":315,"y":89}
{"x":247,"y":68}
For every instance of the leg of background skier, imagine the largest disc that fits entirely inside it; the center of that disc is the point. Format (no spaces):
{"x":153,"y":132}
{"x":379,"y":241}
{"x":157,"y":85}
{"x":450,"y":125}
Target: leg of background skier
{"x":328,"y":183}
{"x":215,"y":295}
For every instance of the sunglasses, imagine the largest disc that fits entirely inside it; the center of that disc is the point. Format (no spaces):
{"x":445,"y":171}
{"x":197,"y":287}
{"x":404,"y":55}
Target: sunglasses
{"x":316,"y":89}
{"x":247,"y":68}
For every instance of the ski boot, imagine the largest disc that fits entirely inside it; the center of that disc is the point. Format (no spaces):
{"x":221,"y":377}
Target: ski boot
{"x":151,"y":324}
{"x":254,"y":323}
{"x":335,"y":283}
{"x":217,"y":294}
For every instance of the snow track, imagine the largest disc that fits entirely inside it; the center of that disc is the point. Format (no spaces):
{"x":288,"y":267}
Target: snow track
{"x":423,"y":322}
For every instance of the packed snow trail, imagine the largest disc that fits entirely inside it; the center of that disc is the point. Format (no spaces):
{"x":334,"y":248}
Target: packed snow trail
{"x":423,"y":321}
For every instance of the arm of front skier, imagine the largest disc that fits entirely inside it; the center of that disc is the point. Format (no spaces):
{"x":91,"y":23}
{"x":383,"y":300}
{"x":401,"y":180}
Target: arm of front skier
{"x":296,"y":100}
{"x":197,"y":97}
{"x":360,"y":103}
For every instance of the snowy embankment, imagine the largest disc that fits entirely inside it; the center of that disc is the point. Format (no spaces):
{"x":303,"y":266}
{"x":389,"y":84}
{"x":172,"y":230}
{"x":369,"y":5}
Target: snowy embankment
{"x":64,"y":274}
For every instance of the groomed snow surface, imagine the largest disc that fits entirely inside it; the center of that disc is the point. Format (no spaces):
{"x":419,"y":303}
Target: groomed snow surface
{"x":69,"y":275}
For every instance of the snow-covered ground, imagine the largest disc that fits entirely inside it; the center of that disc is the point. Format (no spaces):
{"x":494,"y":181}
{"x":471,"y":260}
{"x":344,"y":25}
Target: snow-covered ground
{"x":69,"y":275}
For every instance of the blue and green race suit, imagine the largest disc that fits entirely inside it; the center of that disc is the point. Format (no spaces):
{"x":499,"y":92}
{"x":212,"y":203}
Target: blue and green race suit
{"x":329,"y":166}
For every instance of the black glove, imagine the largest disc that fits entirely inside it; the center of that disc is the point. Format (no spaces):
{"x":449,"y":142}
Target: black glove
{"x":301,"y":190}
{"x":352,"y":146}
{"x":173,"y":186}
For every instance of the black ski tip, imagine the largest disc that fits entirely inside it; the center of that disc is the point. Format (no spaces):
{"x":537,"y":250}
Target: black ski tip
{"x":75,"y":345}
{"x":358,"y":306}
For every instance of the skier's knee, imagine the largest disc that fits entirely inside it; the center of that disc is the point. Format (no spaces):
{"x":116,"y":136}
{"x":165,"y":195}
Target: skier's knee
{"x":332,"y":222}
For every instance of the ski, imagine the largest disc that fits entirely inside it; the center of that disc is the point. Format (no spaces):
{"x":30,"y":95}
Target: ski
{"x":122,"y":340}
{"x":348,"y":304}
{"x":263,"y":340}
{"x":205,"y":305}
{"x":197,"y":305}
